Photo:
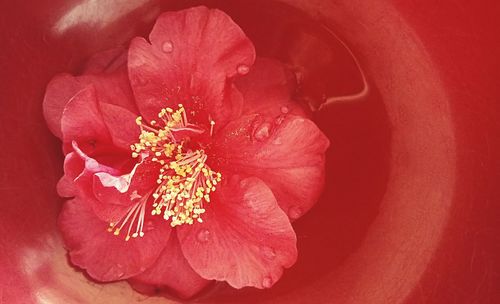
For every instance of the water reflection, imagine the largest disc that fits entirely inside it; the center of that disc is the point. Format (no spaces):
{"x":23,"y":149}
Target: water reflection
{"x":96,"y":14}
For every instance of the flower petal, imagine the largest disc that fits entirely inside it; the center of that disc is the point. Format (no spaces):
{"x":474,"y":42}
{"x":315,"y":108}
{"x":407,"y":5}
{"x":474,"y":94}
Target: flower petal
{"x":245,"y":238}
{"x":59,"y":92}
{"x":82,"y":120}
{"x":104,"y":256}
{"x":114,"y":84}
{"x":121,"y":125}
{"x":287,"y":153}
{"x":112,"y":209}
{"x":73,"y":166}
{"x":172,"y":272}
{"x":116,"y":193}
{"x":268,"y":89}
{"x":191,"y":55}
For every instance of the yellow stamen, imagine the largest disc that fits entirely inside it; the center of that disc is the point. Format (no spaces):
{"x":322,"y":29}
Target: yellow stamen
{"x":185,"y":180}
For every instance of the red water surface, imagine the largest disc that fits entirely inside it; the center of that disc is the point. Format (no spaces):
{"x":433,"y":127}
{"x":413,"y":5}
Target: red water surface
{"x":410,"y":212}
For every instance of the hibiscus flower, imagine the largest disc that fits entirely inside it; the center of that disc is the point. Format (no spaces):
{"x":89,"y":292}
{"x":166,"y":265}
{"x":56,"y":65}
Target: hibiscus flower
{"x":185,"y":159}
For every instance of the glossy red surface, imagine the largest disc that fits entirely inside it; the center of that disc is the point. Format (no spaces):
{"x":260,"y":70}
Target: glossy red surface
{"x":410,"y":212}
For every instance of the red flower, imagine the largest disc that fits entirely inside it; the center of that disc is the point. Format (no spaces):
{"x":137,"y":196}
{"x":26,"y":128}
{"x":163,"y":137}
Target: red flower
{"x":220,"y":161}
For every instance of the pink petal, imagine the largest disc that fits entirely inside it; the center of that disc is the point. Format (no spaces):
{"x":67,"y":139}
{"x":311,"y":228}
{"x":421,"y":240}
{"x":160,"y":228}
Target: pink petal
{"x":82,"y":120}
{"x":115,"y":194}
{"x":245,"y":238}
{"x":191,"y":55}
{"x":59,"y":91}
{"x":172,"y":272}
{"x":85,"y":186}
{"x":104,"y":256}
{"x":73,"y":166}
{"x":287,"y":153}
{"x":121,"y":125}
{"x":268,"y":89}
{"x":114,"y":86}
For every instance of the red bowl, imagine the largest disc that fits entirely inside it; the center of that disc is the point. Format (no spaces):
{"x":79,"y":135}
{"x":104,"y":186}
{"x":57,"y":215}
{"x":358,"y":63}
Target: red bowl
{"x":409,"y":213}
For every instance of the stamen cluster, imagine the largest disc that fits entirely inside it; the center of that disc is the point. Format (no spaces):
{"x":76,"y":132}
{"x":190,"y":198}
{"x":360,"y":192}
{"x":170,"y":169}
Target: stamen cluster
{"x":185,"y":181}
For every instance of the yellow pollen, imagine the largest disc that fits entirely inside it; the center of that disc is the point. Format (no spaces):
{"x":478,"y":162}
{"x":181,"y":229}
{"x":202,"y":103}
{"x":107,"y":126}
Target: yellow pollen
{"x":184,"y":181}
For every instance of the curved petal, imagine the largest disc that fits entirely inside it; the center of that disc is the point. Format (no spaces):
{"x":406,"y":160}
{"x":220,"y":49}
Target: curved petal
{"x":245,"y":238}
{"x":82,"y":120}
{"x":192,"y":54}
{"x":115,"y":194}
{"x":73,"y":166}
{"x":287,"y":153}
{"x":58,"y":93}
{"x":104,"y":256}
{"x":84,"y":184}
{"x":268,"y":89}
{"x":121,"y":125}
{"x":172,"y":272}
{"x":114,"y":84}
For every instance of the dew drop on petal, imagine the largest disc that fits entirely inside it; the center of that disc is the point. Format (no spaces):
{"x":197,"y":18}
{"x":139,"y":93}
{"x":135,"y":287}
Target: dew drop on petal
{"x":284,"y":109}
{"x":243,"y":69}
{"x":203,"y":235}
{"x":142,"y":269}
{"x":267,"y":282}
{"x":268,"y":252}
{"x":262,"y":131}
{"x":167,"y":47}
{"x":294,"y":212}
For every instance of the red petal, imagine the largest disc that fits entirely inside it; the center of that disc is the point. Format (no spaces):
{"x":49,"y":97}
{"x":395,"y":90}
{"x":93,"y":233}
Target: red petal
{"x":192,"y":53}
{"x":170,"y":271}
{"x":121,"y":125}
{"x":115,"y":194}
{"x":84,"y":184}
{"x":59,"y":91}
{"x":287,"y":153}
{"x":82,"y":120}
{"x":73,"y":166}
{"x":114,"y":86}
{"x":267,"y":89}
{"x":104,"y":256}
{"x":245,"y":239}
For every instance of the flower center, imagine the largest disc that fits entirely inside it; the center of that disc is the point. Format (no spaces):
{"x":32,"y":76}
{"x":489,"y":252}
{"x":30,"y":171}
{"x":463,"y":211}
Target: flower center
{"x":185,"y":181}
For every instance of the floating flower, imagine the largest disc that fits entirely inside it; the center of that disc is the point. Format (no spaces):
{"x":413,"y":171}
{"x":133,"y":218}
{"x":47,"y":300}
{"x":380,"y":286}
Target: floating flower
{"x":185,"y":159}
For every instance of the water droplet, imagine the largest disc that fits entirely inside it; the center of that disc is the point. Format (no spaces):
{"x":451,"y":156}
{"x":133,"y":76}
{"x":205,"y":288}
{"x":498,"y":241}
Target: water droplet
{"x":167,"y":47}
{"x":243,"y":69}
{"x":284,"y":109}
{"x":294,"y":212}
{"x":267,"y":282}
{"x":203,"y":235}
{"x":268,"y":252}
{"x":262,"y":131}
